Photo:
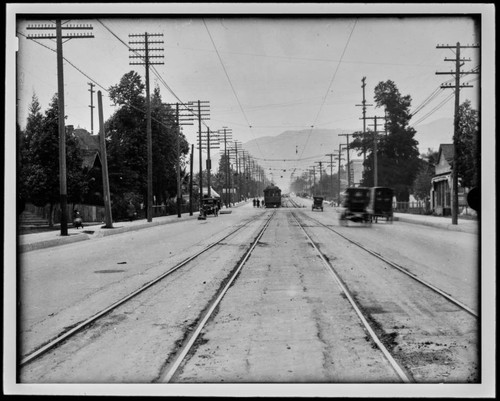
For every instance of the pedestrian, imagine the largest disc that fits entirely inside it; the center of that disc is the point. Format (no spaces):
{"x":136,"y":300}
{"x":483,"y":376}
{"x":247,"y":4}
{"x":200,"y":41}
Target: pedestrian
{"x":254,"y":202}
{"x":77,"y":220}
{"x":131,"y":211}
{"x":258,"y":202}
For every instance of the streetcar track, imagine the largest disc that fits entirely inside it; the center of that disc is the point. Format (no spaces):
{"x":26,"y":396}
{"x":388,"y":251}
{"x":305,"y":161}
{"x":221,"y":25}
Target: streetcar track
{"x":171,"y":368}
{"x":402,"y":269}
{"x":72,"y":330}
{"x":357,"y":308}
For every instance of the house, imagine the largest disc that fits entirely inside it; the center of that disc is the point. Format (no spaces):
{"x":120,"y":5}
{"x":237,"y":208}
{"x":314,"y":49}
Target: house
{"x":442,"y":183}
{"x":356,"y":169}
{"x":89,"y":146}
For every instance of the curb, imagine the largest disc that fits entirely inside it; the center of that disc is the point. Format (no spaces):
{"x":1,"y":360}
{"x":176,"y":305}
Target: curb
{"x":88,"y":234}
{"x":52,"y":242}
{"x":447,"y":226}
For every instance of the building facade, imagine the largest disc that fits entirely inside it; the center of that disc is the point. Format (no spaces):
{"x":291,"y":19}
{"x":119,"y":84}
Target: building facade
{"x":442,"y":184}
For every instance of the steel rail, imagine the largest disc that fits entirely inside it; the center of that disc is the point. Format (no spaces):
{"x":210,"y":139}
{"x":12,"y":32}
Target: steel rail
{"x":402,"y":375}
{"x":167,"y":375}
{"x":67,"y":334}
{"x":404,"y":271}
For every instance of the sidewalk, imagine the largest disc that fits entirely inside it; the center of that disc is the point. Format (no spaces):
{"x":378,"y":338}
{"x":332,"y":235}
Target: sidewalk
{"x":463,"y":225}
{"x":39,"y":240}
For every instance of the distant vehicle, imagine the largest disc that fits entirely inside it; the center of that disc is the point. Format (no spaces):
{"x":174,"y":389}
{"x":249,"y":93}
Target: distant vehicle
{"x":380,"y":204}
{"x":353,"y":205}
{"x":272,"y":196}
{"x":209,"y":206}
{"x":317,"y":203}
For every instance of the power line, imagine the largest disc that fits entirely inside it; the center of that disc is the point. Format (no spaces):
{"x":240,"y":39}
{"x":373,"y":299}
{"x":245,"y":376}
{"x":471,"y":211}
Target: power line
{"x":230,"y":83}
{"x":330,"y":85}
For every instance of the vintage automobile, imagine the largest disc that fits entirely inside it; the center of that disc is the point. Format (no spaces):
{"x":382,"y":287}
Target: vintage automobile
{"x":209,"y":206}
{"x":380,"y":204}
{"x":353,"y":205}
{"x":317,"y":203}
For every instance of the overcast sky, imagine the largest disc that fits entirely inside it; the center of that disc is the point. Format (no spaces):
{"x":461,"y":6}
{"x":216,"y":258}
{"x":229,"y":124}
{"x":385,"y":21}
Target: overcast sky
{"x":262,"y":72}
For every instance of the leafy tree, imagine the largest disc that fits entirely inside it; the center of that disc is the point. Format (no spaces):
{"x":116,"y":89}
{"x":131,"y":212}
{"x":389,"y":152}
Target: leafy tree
{"x":397,"y":152}
{"x":467,"y":146}
{"x":40,"y":152}
{"x":422,"y":184}
{"x":127,"y":145}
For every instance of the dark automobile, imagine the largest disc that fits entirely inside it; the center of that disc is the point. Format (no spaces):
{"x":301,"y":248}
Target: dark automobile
{"x":353,"y":206}
{"x":209,"y":206}
{"x":380,"y":204}
{"x":317,"y":203}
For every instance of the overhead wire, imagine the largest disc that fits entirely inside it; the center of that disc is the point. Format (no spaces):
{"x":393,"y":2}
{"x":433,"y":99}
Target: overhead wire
{"x":330,"y":85}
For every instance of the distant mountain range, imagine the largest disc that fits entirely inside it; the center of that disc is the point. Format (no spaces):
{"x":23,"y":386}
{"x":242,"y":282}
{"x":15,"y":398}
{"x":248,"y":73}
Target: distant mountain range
{"x":299,"y":150}
{"x":318,"y":142}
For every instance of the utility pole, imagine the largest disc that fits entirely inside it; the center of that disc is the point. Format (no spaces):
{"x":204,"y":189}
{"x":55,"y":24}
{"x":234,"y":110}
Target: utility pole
{"x":375,"y":151}
{"x":63,"y":195}
{"x":203,"y":114}
{"x":348,"y":162}
{"x":148,"y":59}
{"x":91,"y":90}
{"x":339,"y":154}
{"x":180,"y":119}
{"x":208,"y":144}
{"x":227,"y":132}
{"x":104,"y":163}
{"x":363,"y":105}
{"x":238,"y":175}
{"x":191,"y":160}
{"x":331,"y":172}
{"x":456,"y":133}
{"x":320,"y":174}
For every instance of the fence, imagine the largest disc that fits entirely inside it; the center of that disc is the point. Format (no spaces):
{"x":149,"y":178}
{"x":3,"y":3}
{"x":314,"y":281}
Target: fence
{"x":422,"y":207}
{"x":415,"y":207}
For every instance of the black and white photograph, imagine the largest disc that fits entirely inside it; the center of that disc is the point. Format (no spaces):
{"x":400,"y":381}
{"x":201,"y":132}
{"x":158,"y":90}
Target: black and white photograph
{"x":250,"y":199}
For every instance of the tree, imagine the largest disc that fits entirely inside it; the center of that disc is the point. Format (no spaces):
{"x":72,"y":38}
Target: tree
{"x":127,"y":150}
{"x":25,"y":160}
{"x":422,"y":184}
{"x":397,"y":152}
{"x":40,"y":175}
{"x":467,"y":146}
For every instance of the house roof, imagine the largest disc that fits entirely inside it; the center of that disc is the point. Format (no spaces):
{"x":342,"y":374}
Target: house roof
{"x":446,"y":149}
{"x":89,"y":158}
{"x":86,"y":141}
{"x":88,"y":144}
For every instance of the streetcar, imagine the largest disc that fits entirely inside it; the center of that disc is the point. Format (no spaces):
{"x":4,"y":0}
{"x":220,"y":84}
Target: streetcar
{"x":380,"y":204}
{"x":272,"y":196}
{"x":354,"y":205}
